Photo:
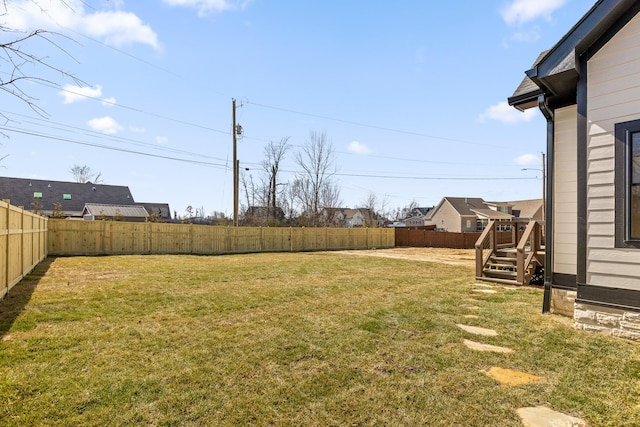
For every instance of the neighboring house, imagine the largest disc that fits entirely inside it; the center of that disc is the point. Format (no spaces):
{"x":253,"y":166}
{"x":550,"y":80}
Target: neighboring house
{"x":417,"y":217}
{"x":419,"y":212}
{"x":414,"y":221}
{"x":587,"y":88}
{"x":44,"y":195}
{"x":158,"y":211}
{"x":467,"y":214}
{"x":134,"y":213}
{"x":346,"y":217}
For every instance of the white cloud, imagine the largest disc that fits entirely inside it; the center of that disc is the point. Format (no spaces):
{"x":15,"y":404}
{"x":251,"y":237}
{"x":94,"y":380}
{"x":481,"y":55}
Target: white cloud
{"x":162,"y":140}
{"x":109,"y":102}
{"x":73,"y":93}
{"x":503,"y":112}
{"x":528,"y":159}
{"x":115,"y":27}
{"x":358,"y":148}
{"x":119,"y":29}
{"x":209,"y":6}
{"x":105,"y":124}
{"x":523,"y":11}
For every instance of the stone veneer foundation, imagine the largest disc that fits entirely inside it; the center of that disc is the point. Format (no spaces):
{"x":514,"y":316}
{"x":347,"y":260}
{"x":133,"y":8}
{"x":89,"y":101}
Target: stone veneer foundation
{"x":588,"y":317}
{"x":562,"y":302}
{"x":619,"y":323}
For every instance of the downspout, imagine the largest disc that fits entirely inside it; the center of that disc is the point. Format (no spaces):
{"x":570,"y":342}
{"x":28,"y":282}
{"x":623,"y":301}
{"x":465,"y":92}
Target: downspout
{"x":548,"y":208}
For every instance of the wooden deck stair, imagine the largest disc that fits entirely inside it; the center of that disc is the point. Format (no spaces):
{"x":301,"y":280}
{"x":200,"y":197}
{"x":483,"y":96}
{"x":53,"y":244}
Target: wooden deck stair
{"x":514,"y":262}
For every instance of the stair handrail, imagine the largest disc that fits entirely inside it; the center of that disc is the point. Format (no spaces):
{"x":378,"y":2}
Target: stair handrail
{"x":530,"y":236}
{"x":486,"y":241}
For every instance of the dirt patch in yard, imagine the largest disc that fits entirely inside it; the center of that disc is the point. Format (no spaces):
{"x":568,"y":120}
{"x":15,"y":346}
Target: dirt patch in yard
{"x":447,"y":256}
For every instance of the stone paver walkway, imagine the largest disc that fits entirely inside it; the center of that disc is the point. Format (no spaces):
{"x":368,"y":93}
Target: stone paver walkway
{"x":531,"y":417}
{"x":510,"y":377}
{"x":478,"y":331}
{"x":542,"y":416}
{"x":478,"y":346}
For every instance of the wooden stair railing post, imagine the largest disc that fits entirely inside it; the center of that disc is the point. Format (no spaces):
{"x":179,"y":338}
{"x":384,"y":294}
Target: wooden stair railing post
{"x":493,"y":242}
{"x":487,"y":236}
{"x":479,"y":258}
{"x":520,"y":250}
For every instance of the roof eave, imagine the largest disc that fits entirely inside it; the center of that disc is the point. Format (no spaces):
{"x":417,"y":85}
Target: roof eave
{"x":555,"y":73}
{"x":525,"y":101}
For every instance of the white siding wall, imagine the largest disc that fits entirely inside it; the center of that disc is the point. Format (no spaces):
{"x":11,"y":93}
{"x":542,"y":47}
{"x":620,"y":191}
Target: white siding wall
{"x":613,"y":97}
{"x":565,"y":201}
{"x":448,"y":218}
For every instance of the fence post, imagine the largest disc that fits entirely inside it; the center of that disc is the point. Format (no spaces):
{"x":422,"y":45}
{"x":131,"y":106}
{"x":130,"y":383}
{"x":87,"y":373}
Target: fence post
{"x":22,"y":272}
{"x":6,"y":251}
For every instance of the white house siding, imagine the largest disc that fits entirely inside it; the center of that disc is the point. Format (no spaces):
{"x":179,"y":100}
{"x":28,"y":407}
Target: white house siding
{"x":565,"y":201}
{"x":613,"y":96}
{"x":447,"y":218}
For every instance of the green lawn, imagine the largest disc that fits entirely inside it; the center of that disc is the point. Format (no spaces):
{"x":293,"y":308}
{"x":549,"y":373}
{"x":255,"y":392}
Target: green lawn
{"x":309,"y":339}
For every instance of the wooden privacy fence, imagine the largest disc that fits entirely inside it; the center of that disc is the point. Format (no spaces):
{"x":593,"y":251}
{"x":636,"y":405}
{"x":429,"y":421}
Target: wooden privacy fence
{"x":23,"y":244}
{"x":67,"y":238}
{"x":442,"y":239}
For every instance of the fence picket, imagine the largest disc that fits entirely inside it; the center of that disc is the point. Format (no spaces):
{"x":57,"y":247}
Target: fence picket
{"x":23,"y":238}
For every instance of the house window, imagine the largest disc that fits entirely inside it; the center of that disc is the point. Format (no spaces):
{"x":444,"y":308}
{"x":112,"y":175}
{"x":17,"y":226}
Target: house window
{"x":468,"y":224}
{"x":37,"y":195}
{"x":66,"y":196}
{"x":627,"y":172}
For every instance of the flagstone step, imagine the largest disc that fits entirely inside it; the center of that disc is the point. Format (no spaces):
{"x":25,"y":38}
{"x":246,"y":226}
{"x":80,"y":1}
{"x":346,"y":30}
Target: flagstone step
{"x":478,"y":331}
{"x":478,"y":346}
{"x":510,"y":377}
{"x":541,"y":416}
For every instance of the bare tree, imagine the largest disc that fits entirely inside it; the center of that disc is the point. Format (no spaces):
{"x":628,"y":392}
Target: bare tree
{"x":314,"y":186}
{"x":16,"y":54}
{"x":376,"y":205}
{"x":405,"y":212}
{"x":84,"y":174}
{"x":274,"y":154}
{"x":250,"y":193}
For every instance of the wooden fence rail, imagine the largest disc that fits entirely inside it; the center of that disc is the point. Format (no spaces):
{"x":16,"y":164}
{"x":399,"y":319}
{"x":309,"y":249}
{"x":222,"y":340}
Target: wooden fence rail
{"x":68,"y":238}
{"x":23,"y":244}
{"x":442,"y":239}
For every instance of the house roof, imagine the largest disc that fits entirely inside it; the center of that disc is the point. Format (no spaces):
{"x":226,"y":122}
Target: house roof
{"x":527,"y":208}
{"x":526,"y":95}
{"x":162,"y":208}
{"x":491,"y":214}
{"x":126,"y":211}
{"x":20,"y":191}
{"x":555,"y":72}
{"x":464,"y":205}
{"x":348,"y":212}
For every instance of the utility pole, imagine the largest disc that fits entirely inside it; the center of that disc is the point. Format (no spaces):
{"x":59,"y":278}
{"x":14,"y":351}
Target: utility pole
{"x":236,"y":130}
{"x":235,"y":163}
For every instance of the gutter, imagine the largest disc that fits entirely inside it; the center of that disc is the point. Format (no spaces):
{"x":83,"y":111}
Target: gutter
{"x":548,"y":214}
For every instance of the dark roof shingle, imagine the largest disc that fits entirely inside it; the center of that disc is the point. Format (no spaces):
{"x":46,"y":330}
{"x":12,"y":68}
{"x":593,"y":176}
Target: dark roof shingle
{"x":71,"y":195}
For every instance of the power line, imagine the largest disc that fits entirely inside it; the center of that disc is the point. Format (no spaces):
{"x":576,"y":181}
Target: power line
{"x":225,"y":167}
{"x":98,"y":135}
{"x":106,"y":147}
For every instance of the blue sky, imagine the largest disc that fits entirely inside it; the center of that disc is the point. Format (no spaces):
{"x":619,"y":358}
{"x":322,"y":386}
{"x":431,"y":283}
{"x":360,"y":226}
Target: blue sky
{"x":412,"y":94}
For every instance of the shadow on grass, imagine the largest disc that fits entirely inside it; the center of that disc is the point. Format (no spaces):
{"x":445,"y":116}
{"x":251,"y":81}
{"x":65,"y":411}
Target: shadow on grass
{"x":18,"y":297}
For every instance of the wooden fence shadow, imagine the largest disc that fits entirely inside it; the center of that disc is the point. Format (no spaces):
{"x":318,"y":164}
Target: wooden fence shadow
{"x":19,"y":296}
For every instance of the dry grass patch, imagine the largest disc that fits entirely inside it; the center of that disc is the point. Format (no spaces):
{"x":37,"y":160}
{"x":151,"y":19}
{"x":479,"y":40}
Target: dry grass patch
{"x":290,"y":339}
